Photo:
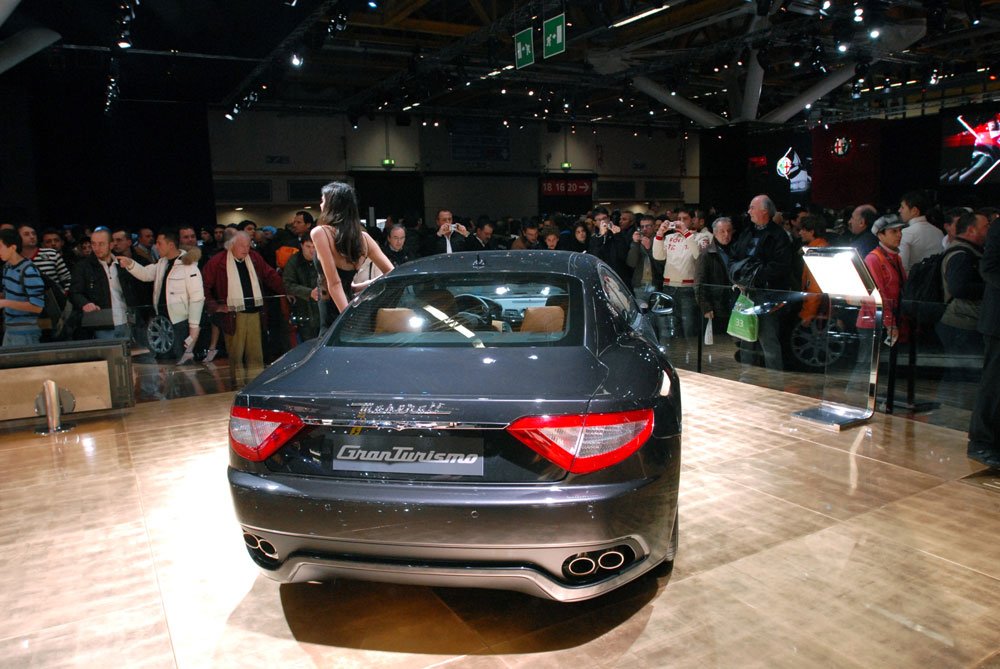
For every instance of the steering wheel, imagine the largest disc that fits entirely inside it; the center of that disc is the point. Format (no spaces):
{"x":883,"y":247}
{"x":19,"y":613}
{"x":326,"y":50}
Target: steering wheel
{"x":485,"y":309}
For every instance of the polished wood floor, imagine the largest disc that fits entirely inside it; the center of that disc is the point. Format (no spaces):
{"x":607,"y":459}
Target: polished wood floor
{"x":874,"y":547}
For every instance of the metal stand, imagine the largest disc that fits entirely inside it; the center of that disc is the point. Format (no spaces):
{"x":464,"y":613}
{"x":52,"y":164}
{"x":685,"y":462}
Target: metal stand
{"x":835,"y":416}
{"x":832,"y":416}
{"x":53,"y":410}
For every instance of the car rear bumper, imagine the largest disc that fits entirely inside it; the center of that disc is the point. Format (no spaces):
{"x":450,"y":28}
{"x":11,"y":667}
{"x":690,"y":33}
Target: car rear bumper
{"x":511,"y":537}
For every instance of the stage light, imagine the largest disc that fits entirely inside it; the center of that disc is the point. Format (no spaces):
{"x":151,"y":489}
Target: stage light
{"x":230,"y":117}
{"x":842,"y":47}
{"x":372,"y":4}
{"x":297,"y":60}
{"x":874,"y":33}
{"x":125,"y":39}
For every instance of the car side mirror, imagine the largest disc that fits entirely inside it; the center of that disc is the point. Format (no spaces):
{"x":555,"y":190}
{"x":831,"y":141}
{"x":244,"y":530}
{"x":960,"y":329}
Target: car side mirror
{"x":660,"y":304}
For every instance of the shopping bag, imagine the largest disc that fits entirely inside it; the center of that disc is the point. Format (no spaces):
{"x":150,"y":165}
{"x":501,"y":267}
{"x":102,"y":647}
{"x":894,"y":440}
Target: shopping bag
{"x":709,"y":337}
{"x":742,"y":323}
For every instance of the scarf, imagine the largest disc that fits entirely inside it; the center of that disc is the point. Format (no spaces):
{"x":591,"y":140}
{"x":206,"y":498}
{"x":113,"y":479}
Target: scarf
{"x":234,"y":299}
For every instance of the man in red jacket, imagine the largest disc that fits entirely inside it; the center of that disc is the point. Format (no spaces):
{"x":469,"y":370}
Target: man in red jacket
{"x":233,"y":289}
{"x":886,"y":267}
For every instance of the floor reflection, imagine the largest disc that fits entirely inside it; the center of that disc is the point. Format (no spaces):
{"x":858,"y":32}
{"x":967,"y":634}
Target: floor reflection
{"x":799,"y":547}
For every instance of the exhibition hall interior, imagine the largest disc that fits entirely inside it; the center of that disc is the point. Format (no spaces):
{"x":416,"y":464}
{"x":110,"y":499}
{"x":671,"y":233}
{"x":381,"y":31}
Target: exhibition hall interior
{"x":500,"y":333}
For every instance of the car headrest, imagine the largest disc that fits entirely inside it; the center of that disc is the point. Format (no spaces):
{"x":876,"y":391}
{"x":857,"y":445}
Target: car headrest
{"x":543,"y":319}
{"x":558,"y":301}
{"x":395,"y":320}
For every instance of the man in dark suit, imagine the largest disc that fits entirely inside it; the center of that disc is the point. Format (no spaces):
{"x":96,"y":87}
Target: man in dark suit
{"x":481,"y":239}
{"x":984,"y":424}
{"x":103,"y":290}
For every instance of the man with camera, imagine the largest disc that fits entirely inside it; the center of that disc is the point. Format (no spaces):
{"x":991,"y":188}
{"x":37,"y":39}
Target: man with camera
{"x":445,"y":240}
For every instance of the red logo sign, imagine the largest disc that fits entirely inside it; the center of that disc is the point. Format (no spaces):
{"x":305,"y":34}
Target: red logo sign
{"x":578,"y":187}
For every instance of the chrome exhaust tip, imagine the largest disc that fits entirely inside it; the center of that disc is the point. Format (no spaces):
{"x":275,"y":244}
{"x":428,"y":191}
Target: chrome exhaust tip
{"x":611,"y":560}
{"x":261,"y":546}
{"x":581,"y":565}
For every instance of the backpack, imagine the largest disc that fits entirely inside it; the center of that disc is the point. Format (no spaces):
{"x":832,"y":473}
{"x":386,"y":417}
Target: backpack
{"x":56,"y":310}
{"x":923,"y":295}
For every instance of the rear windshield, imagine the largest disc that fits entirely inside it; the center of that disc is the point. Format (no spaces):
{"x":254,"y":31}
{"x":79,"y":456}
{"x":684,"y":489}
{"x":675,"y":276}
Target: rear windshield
{"x":483,"y":310}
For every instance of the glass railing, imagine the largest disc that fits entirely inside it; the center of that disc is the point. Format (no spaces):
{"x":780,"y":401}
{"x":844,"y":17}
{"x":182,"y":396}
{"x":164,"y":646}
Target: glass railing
{"x":807,"y":344}
{"x":821,"y":347}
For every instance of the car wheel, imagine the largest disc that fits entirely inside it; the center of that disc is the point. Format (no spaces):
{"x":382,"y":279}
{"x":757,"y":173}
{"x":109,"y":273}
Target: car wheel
{"x":816,"y":345}
{"x":160,"y":335}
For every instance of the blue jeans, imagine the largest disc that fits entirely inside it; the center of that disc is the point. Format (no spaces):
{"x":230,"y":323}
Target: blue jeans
{"x":19,"y":337}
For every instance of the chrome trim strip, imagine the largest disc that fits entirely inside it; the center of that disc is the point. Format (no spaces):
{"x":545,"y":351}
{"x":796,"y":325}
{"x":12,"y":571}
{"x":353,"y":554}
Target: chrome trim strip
{"x":401,"y":425}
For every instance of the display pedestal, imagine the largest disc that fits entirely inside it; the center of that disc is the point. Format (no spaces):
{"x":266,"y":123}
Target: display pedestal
{"x":832,"y":416}
{"x":840,"y":272}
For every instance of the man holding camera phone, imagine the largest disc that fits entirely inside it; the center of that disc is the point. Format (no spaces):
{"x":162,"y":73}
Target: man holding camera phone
{"x":446,"y":241}
{"x":610,"y":244}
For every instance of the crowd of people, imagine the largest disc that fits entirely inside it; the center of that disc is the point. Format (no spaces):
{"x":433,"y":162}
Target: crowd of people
{"x":214,"y":291}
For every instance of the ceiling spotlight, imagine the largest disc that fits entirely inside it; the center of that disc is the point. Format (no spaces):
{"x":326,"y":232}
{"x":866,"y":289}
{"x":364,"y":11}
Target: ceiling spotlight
{"x":974,"y":10}
{"x":842,"y":47}
{"x":372,"y":4}
{"x":297,"y":60}
{"x":230,"y":117}
{"x":337,"y":24}
{"x":874,"y":33}
{"x":125,"y":39}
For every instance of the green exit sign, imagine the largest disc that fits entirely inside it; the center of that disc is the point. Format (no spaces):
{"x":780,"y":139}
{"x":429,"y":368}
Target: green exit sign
{"x":524,"y":49}
{"x":554,"y":36}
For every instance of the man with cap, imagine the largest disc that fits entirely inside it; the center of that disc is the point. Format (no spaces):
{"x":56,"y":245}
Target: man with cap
{"x":886,"y":267}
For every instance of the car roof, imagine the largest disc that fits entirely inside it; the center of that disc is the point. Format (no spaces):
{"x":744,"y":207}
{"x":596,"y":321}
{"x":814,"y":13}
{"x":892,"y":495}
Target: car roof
{"x":581,"y":265}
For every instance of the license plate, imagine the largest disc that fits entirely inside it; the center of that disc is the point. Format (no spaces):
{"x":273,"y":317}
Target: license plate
{"x":452,"y":456}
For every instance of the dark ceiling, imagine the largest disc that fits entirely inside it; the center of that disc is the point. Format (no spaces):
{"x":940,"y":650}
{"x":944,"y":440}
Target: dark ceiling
{"x":693,"y":63}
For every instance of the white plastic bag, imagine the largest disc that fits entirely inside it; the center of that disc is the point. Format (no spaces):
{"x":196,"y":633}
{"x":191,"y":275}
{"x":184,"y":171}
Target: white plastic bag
{"x":709,"y":338}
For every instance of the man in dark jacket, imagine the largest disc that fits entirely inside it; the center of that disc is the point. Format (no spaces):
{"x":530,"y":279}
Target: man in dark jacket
{"x":395,"y":246}
{"x":984,"y":425}
{"x":300,"y":283}
{"x":713,"y":289}
{"x":859,"y":230}
{"x":762,"y":266}
{"x":99,"y":285}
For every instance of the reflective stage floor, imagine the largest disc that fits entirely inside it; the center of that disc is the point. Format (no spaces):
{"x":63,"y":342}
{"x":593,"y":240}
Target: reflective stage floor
{"x":874,"y":547}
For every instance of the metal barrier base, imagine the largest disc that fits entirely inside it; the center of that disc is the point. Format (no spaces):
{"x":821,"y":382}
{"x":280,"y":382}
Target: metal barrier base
{"x":831,"y":416}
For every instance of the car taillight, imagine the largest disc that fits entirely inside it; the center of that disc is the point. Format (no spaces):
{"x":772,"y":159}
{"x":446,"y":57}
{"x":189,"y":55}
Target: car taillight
{"x":585,"y":443}
{"x":257,"y":433}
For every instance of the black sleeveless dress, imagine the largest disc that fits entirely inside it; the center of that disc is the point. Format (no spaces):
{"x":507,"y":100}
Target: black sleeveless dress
{"x":328,"y":311}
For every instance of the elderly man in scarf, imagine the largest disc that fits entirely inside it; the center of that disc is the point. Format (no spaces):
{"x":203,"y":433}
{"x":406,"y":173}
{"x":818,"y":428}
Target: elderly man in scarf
{"x":233,"y":287}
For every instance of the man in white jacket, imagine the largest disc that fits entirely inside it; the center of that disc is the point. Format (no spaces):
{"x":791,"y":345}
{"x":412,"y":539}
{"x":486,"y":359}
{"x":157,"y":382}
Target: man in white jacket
{"x":679,"y":247}
{"x":920,"y":237}
{"x":178,"y":292}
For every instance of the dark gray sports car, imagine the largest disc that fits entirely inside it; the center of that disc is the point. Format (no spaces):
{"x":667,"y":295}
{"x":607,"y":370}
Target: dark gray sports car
{"x":495,"y":420}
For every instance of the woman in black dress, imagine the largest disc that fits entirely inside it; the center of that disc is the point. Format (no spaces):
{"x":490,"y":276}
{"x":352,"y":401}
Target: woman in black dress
{"x":342,"y":245}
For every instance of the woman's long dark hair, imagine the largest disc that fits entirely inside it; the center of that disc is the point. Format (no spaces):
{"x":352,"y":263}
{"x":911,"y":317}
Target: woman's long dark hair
{"x":341,"y":212}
